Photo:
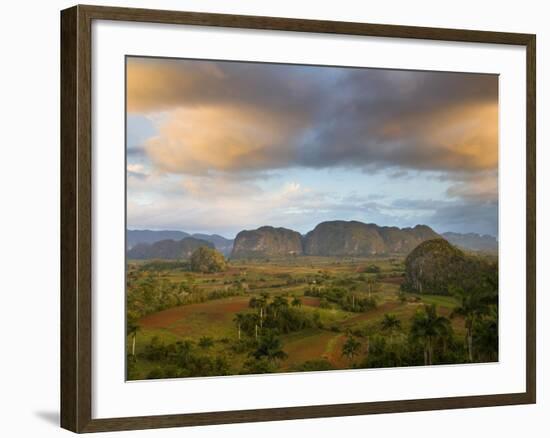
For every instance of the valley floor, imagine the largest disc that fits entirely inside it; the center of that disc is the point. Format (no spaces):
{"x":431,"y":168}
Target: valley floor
{"x":210,"y":327}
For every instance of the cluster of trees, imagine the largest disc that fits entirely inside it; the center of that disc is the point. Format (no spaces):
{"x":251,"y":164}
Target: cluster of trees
{"x":190,"y":359}
{"x":346,"y":298}
{"x":183,"y":359}
{"x":165,"y":265}
{"x":263,"y":354}
{"x":276,"y":315}
{"x":149,"y":291}
{"x":429,"y":338}
{"x":478,"y":305}
{"x":372,"y":269}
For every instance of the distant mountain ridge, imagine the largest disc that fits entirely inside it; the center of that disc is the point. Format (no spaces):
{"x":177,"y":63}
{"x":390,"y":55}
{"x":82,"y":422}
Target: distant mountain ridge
{"x":267,"y":241}
{"x":331,"y":238}
{"x":167,"y":249}
{"x":353,"y":238}
{"x":134,"y":237}
{"x":472,"y":241}
{"x":222,"y":244}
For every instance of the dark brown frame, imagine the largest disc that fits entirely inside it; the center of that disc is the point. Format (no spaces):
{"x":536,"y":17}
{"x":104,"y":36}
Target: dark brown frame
{"x":76,"y":219}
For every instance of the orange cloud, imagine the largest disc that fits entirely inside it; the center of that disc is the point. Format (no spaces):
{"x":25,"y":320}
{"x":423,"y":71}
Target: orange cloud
{"x":154,"y":85}
{"x":221,"y":138}
{"x":462,"y":137}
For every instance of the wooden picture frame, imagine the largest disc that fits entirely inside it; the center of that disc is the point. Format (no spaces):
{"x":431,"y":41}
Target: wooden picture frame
{"x":76,"y":218}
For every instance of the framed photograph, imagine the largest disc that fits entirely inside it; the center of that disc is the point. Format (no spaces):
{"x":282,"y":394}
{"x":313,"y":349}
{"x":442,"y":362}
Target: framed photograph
{"x":270,"y":218}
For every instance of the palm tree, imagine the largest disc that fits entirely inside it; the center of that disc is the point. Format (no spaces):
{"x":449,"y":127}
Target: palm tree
{"x":206,"y":342}
{"x":183,"y":353}
{"x":485,"y":334}
{"x":278,"y":304}
{"x":253,"y":302}
{"x":238,"y":320}
{"x":428,"y":327}
{"x":351,"y":348}
{"x":390,"y":324}
{"x":473,"y":306}
{"x":270,"y":347}
{"x":296,"y":302}
{"x":260,"y":304}
{"x":132,"y":327}
{"x":372,"y":283}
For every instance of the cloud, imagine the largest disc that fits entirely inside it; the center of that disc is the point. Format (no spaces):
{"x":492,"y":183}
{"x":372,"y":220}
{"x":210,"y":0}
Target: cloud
{"x":221,"y":138}
{"x":212,"y":188}
{"x":194,"y":204}
{"x":216,"y":146}
{"x":235,"y":117}
{"x":206,"y":204}
{"x":139,"y":129}
{"x":481,"y":186}
{"x":136,"y":170}
{"x":157,"y":85}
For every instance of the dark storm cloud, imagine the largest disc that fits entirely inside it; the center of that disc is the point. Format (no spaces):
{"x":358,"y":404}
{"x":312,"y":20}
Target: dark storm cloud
{"x":164,"y":84}
{"x":417,"y":120}
{"x":276,"y":116}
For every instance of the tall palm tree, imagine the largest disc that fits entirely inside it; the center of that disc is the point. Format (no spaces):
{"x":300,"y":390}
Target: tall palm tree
{"x":428,"y":327}
{"x":260,"y":304}
{"x":206,"y":342}
{"x":473,"y":305}
{"x":132,"y":327}
{"x":485,"y":333}
{"x":372,"y":282}
{"x":238,"y":319}
{"x":351,"y":348}
{"x":279,"y":303}
{"x":390,"y":324}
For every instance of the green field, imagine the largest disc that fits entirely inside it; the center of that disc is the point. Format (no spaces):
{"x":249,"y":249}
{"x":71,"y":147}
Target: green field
{"x":197,"y":311}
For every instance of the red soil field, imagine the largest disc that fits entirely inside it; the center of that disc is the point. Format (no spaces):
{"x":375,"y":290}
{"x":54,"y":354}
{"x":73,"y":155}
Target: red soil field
{"x":168,"y":317}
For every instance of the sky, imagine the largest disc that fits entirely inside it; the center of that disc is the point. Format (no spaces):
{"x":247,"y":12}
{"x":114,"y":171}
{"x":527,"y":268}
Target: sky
{"x":222,"y":146}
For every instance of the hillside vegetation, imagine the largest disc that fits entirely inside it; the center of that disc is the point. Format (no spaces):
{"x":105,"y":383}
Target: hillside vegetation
{"x":267,"y":242}
{"x":330,"y":239}
{"x":439,"y":268}
{"x":210,"y":317}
